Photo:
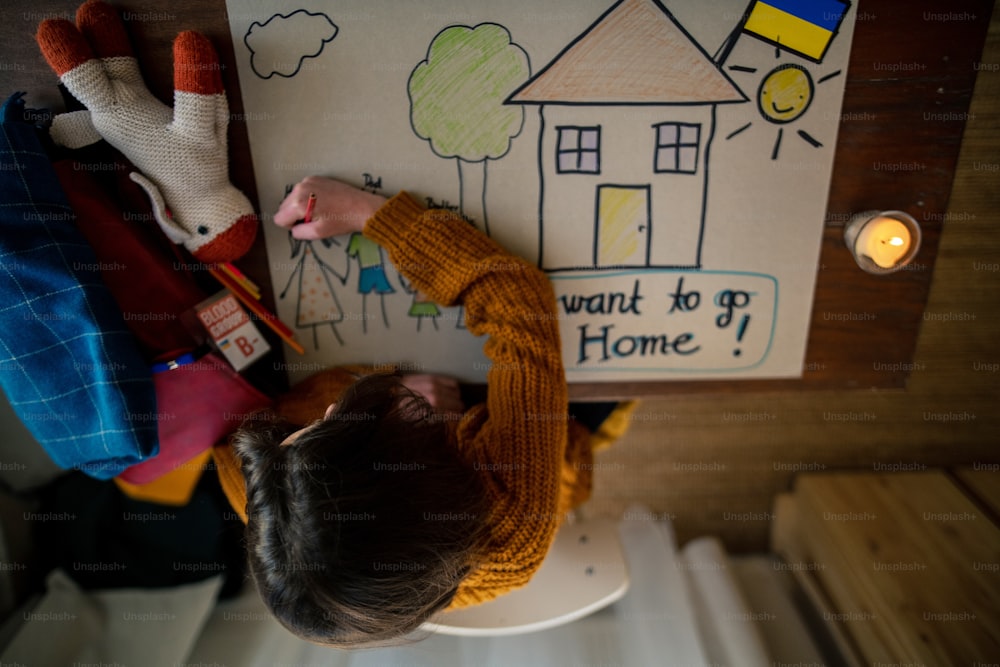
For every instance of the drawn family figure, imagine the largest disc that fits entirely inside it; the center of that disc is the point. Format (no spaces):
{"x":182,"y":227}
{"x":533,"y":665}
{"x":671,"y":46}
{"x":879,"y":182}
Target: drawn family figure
{"x":421,"y":306}
{"x":316,"y":302}
{"x":372,"y":277}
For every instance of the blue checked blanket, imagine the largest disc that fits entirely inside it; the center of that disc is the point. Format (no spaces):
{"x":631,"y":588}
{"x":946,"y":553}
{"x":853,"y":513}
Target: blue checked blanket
{"x":68,"y":365}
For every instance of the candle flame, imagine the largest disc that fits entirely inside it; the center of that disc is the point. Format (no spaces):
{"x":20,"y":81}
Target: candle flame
{"x":895,"y":240}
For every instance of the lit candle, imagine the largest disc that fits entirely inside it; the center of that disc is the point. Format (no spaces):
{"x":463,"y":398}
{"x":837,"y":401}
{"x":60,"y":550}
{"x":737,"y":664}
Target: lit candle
{"x":885,"y":240}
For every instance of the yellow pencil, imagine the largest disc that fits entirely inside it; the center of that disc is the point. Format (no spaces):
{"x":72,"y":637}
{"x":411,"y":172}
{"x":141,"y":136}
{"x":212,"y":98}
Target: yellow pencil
{"x":242,"y":276}
{"x":244,"y":282}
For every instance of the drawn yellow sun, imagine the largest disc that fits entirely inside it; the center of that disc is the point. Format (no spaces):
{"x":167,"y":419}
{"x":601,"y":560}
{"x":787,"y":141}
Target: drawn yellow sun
{"x":785,"y":93}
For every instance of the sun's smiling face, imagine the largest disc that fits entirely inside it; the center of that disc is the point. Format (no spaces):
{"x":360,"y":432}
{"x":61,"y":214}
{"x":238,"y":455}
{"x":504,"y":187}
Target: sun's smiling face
{"x":785,"y":93}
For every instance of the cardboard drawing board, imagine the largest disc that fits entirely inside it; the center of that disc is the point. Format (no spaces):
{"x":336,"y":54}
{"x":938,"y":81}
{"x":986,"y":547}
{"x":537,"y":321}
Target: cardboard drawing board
{"x":667,"y":164}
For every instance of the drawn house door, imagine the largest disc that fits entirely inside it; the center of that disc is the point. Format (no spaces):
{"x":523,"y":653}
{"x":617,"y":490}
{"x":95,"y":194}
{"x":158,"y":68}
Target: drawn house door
{"x":621,"y":236}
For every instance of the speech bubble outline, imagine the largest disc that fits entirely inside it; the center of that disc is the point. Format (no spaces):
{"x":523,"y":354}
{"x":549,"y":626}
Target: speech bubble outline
{"x":768,"y":288}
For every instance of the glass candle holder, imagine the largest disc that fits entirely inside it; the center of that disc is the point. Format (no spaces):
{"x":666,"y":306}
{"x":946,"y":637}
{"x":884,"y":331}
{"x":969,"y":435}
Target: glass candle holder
{"x":882,"y":241}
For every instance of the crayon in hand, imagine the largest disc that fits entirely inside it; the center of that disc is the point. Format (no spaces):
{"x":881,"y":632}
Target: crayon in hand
{"x":309,"y":208}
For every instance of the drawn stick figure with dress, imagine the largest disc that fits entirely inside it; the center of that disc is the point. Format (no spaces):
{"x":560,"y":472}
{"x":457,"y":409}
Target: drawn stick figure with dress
{"x":316,"y":302}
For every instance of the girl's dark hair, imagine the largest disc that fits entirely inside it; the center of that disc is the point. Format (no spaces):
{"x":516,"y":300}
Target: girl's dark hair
{"x":365,"y":525}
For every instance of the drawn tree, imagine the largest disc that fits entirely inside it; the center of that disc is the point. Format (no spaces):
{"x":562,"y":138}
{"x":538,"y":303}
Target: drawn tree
{"x":457,"y":102}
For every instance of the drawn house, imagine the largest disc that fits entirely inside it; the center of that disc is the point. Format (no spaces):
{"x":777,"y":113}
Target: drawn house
{"x":627,"y":115}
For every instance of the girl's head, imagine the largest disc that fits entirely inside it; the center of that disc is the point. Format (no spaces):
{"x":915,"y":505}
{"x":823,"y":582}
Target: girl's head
{"x":364,"y":525}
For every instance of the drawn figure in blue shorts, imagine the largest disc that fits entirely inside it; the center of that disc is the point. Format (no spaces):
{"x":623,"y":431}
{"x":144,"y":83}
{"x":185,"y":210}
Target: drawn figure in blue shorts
{"x":372,"y":278}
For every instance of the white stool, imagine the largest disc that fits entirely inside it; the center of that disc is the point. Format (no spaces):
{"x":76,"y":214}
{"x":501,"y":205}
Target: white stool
{"x":584,"y":571}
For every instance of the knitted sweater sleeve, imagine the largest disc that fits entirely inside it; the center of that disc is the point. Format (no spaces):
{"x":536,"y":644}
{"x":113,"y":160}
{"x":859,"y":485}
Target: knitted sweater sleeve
{"x":518,"y":439}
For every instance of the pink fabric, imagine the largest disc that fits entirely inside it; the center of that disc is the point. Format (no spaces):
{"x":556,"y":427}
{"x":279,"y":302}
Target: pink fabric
{"x":198,"y":404}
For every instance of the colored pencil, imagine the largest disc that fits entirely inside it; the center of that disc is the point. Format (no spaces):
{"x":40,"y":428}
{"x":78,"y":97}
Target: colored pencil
{"x":265,"y":315}
{"x":244,"y":282}
{"x":259,"y":310}
{"x":243,"y":295}
{"x":309,"y":208}
{"x":251,"y":285}
{"x":239,"y":290}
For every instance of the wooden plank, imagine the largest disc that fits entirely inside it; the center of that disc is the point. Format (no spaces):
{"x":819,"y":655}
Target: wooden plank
{"x":859,"y":613}
{"x":787,"y":541}
{"x":905,"y":547}
{"x":983,"y":480}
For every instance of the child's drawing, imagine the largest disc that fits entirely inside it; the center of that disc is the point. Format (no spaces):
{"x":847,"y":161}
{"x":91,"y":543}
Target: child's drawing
{"x":646,"y":211}
{"x":280,"y":45}
{"x":802,"y":28}
{"x":783,"y":96}
{"x":671,"y":173}
{"x":316,"y":302}
{"x":457,"y":103}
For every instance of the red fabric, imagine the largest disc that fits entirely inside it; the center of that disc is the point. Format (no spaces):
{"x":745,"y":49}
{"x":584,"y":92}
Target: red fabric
{"x":135,"y":263}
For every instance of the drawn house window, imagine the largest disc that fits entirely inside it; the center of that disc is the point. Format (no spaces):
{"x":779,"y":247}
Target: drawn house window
{"x":578,"y":150}
{"x":677,"y":147}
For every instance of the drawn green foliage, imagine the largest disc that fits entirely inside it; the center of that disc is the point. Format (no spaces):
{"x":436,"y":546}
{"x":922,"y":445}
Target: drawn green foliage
{"x":457,"y":93}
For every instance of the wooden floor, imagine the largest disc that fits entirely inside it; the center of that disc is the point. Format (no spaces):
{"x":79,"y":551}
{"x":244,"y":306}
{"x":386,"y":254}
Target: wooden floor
{"x":714,"y":462}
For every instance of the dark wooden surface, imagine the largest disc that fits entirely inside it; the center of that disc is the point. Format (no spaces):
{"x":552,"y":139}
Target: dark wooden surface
{"x":908,"y":88}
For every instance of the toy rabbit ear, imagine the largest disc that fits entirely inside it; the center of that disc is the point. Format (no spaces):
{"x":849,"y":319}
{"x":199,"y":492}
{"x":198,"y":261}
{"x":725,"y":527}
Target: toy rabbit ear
{"x":173,"y":231}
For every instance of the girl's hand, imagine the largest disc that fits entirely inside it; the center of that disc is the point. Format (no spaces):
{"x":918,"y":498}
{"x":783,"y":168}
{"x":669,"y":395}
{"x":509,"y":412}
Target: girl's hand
{"x":339,"y":209}
{"x":441,"y":392}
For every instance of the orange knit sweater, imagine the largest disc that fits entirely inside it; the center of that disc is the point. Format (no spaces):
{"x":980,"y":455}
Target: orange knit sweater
{"x":535,"y":463}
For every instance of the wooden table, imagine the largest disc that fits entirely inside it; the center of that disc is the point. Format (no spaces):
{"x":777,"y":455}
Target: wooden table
{"x":908,"y":88}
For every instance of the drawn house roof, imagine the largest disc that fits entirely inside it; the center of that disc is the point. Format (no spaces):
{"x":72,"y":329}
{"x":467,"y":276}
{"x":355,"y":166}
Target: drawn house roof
{"x":636,"y":53}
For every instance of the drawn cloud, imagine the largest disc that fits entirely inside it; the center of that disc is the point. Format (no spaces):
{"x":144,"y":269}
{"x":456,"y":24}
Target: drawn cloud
{"x":280,"y":45}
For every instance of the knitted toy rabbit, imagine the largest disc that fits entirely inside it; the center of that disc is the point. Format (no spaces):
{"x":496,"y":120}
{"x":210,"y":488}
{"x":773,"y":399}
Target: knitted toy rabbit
{"x":180,"y":152}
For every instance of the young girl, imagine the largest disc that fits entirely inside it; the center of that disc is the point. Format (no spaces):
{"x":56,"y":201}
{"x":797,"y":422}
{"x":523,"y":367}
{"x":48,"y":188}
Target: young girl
{"x":396,"y":502}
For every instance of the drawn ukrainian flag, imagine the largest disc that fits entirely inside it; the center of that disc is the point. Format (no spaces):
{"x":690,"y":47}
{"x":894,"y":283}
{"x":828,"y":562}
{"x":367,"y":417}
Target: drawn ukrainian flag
{"x":805,"y":27}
